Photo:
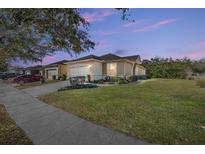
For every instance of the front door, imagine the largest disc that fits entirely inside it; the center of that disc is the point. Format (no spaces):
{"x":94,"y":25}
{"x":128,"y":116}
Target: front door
{"x":112,"y":69}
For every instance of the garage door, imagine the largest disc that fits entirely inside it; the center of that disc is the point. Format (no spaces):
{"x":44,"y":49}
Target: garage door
{"x":51,"y":73}
{"x":79,"y":71}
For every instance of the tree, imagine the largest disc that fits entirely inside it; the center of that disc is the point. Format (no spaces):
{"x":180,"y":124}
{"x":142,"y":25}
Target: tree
{"x":167,"y":68}
{"x":3,"y":62}
{"x":30,"y":34}
{"x":198,"y":66}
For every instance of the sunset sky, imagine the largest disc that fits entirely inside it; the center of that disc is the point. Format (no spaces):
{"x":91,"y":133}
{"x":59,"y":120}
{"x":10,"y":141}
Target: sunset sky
{"x":173,"y":33}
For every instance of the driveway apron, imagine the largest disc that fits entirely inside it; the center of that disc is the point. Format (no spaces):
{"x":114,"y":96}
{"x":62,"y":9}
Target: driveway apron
{"x":45,"y":89}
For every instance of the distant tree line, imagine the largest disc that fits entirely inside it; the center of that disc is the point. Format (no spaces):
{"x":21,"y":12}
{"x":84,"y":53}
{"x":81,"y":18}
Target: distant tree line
{"x":173,"y":68}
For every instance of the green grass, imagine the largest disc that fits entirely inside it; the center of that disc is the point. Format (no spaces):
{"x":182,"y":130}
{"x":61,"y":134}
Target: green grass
{"x":9,"y":132}
{"x":34,"y":84}
{"x":158,"y":111}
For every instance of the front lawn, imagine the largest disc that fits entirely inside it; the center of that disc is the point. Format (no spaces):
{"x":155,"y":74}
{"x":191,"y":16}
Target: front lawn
{"x":158,"y":111}
{"x":9,"y":132}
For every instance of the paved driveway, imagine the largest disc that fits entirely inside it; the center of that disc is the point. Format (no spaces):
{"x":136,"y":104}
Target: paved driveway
{"x":47,"y":88}
{"x":45,"y":124}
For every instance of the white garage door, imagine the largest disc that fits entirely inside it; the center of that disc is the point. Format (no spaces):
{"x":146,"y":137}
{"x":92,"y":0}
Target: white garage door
{"x":79,"y":71}
{"x":51,"y":73}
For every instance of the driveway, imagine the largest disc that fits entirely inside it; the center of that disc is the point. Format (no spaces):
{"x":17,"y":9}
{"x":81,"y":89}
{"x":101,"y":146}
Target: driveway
{"x":45,"y":124}
{"x":47,"y":88}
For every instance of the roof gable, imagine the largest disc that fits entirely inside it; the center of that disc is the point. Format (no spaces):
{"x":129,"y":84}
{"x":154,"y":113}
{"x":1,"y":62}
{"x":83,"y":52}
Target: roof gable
{"x":109,"y":57}
{"x":86,"y":57}
{"x":132,"y":58}
{"x":58,"y":62}
{"x":34,"y":67}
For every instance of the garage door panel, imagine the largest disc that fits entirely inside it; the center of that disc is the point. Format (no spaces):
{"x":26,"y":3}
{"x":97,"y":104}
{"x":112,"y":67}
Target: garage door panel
{"x":51,"y":73}
{"x":79,"y":71}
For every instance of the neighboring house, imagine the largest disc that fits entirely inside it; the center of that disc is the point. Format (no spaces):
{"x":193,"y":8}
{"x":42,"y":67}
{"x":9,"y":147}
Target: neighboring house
{"x":55,"y":70}
{"x":97,"y":67}
{"x":33,"y":70}
{"x":15,"y":69}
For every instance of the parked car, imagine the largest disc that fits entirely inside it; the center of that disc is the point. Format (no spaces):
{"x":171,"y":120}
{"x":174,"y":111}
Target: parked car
{"x":27,"y":78}
{"x":1,"y":75}
{"x":6,"y":76}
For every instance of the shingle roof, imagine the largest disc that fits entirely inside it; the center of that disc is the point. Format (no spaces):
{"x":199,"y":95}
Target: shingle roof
{"x":134,"y":57}
{"x":34,"y":67}
{"x":110,"y":57}
{"x":58,"y":62}
{"x":86,"y":57}
{"x":115,"y":57}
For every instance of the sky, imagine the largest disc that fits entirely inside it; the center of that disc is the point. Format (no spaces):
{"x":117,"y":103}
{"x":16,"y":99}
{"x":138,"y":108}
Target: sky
{"x":175,"y":33}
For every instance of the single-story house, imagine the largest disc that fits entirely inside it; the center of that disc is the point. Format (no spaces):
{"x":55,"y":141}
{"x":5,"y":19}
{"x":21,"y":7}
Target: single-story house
{"x":55,"y":70}
{"x":34,"y":70}
{"x":15,"y":69}
{"x":97,"y":67}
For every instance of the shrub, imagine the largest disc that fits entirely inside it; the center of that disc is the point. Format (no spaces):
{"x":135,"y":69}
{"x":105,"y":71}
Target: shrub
{"x":98,"y":81}
{"x":106,"y":78}
{"x":59,"y":78}
{"x":42,"y":80}
{"x":142,"y":77}
{"x":200,"y":83}
{"x":190,"y":78}
{"x":133,"y":78}
{"x":78,"y":86}
{"x":112,"y":79}
{"x":64,"y":77}
{"x":120,"y":80}
{"x":89,"y":78}
{"x":54,"y":77}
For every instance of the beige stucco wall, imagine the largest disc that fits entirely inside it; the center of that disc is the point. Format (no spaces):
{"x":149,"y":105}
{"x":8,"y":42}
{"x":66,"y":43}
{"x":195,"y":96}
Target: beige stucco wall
{"x":140,"y":70}
{"x":120,"y":68}
{"x":51,"y":68}
{"x":97,"y":70}
{"x":104,"y":68}
{"x":123,"y":68}
{"x":138,"y":61}
{"x":128,"y":68}
{"x":62,"y":69}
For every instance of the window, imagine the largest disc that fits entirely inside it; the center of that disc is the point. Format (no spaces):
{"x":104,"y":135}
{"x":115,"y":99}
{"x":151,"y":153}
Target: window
{"x":112,"y":69}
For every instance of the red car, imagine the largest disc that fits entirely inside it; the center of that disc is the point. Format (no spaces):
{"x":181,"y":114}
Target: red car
{"x":27,"y":78}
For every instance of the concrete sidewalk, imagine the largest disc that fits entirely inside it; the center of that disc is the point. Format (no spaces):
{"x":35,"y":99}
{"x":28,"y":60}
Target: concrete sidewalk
{"x":45,"y":124}
{"x":47,"y":88}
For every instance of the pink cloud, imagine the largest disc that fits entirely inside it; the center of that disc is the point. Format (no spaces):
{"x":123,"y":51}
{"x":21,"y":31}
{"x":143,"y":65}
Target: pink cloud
{"x":97,"y":16}
{"x":155,"y":25}
{"x":131,"y":24}
{"x":195,"y":54}
{"x":48,"y":59}
{"x":200,"y":43}
{"x":105,"y":33}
